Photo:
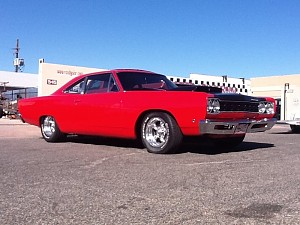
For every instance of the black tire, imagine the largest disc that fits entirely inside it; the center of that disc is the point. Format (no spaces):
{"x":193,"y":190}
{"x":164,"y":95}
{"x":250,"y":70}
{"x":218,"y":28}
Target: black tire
{"x":1,"y":112}
{"x":160,"y":133}
{"x":50,"y":130}
{"x":228,"y":142}
{"x":295,"y":128}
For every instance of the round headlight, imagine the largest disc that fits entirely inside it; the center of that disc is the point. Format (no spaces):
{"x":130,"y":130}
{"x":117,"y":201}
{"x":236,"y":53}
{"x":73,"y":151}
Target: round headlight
{"x":262,"y":107}
{"x":216,"y":105}
{"x":213,"y":105}
{"x":270,"y":108}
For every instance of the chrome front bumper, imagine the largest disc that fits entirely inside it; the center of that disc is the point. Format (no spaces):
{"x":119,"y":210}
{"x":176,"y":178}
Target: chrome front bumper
{"x":235,"y":127}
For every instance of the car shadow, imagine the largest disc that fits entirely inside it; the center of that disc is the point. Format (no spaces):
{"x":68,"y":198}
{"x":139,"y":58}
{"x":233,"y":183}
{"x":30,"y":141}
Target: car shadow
{"x":95,"y":140}
{"x":188,"y":146}
{"x":210,"y":149}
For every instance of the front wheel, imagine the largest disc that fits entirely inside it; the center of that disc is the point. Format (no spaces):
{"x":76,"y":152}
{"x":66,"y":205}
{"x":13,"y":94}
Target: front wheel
{"x":50,"y":130}
{"x":160,"y":133}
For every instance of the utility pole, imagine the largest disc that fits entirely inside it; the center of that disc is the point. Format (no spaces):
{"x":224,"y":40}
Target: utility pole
{"x":18,"y":63}
{"x":17,"y":55}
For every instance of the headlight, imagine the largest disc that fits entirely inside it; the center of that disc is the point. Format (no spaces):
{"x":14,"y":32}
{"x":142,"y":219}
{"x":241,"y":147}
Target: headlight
{"x":261,"y":107}
{"x":270,"y":108}
{"x":213,"y":105}
{"x":266,"y":107}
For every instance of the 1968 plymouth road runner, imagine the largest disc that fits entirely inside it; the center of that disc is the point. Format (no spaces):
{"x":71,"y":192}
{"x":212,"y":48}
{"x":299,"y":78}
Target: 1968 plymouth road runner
{"x":146,"y":106}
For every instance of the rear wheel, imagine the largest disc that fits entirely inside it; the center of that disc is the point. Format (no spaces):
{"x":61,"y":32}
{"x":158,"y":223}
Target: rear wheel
{"x":160,"y":133}
{"x":229,"y":142}
{"x":50,"y":130}
{"x":295,"y":128}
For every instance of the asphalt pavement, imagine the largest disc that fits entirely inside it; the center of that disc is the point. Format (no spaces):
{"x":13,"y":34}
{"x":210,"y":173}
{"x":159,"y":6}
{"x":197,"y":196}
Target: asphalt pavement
{"x":88,"y":180}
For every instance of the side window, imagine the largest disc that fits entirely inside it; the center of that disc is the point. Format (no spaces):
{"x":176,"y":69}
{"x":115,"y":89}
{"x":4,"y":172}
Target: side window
{"x":99,"y":84}
{"x":76,"y":88}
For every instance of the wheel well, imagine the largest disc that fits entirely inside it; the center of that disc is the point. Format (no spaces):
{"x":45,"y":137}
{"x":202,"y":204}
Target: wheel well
{"x":41,"y":119}
{"x":139,"y":121}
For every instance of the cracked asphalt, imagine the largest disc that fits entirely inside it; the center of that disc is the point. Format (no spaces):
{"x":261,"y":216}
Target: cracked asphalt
{"x":91,"y":180}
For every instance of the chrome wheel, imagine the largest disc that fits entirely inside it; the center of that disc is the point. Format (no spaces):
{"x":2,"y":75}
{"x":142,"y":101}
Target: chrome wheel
{"x":48,"y":127}
{"x":50,"y":130}
{"x":156,"y":132}
{"x":160,"y":133}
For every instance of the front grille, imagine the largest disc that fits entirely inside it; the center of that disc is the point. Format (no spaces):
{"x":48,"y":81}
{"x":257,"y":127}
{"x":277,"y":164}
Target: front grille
{"x":238,"y":106}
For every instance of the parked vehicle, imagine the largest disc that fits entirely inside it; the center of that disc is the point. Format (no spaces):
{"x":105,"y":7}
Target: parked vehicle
{"x":8,"y":108}
{"x":143,"y":105}
{"x":292,"y":108}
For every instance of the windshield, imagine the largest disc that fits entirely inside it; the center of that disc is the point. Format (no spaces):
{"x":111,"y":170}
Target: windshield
{"x":144,"y":81}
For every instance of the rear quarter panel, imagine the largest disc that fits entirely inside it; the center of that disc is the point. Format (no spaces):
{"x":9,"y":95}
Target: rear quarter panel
{"x":32,"y":108}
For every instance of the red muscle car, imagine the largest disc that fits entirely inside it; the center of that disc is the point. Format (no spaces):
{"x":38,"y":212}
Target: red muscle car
{"x":143,"y":105}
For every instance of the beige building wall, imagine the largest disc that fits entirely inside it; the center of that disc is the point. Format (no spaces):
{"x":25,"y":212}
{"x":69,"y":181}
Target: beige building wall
{"x":53,"y":76}
{"x":284,"y":88}
{"x":273,"y":86}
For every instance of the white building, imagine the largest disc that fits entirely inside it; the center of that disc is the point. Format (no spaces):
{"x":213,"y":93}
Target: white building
{"x":228,"y":84}
{"x":13,"y":84}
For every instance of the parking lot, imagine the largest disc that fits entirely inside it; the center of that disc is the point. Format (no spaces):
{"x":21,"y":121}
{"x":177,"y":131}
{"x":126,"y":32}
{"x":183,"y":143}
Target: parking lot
{"x":110,"y":181}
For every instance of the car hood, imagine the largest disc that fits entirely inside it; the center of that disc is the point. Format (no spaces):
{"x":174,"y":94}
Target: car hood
{"x":218,"y":93}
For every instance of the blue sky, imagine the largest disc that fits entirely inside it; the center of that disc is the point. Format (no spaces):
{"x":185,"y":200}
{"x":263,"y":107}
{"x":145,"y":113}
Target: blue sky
{"x":238,"y":38}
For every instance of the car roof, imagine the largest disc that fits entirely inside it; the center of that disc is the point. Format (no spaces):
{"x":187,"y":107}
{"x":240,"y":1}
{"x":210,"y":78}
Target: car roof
{"x":114,"y":71}
{"x":118,"y":71}
{"x":131,"y":70}
{"x":101,"y":72}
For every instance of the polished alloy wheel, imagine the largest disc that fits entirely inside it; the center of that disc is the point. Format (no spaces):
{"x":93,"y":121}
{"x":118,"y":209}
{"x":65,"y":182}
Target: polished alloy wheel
{"x":157,"y":132}
{"x":160,"y":133}
{"x":48,"y":127}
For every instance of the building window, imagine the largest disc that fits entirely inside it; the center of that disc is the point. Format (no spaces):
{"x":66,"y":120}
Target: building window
{"x":196,"y":81}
